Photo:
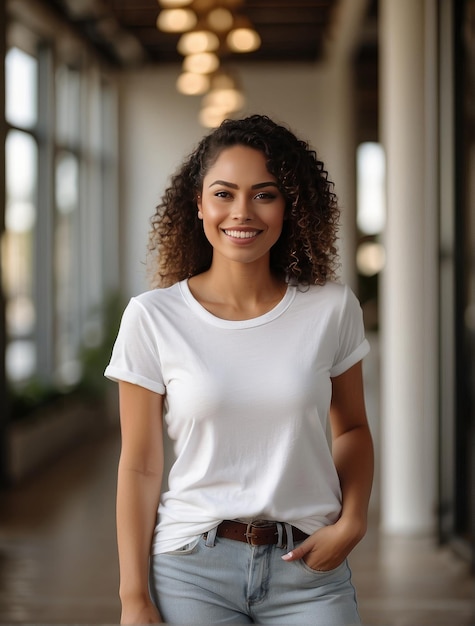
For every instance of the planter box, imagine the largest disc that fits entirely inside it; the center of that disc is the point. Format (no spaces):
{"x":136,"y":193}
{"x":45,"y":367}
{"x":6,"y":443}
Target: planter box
{"x":49,"y":432}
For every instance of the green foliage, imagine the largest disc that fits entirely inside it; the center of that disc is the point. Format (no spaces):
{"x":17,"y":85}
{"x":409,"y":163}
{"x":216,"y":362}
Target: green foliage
{"x":30,"y":397}
{"x":94,"y":354}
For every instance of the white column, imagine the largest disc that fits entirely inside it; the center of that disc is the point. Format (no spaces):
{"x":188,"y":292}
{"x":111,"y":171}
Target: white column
{"x":408,"y":286}
{"x":336,"y":146}
{"x":337,"y":135}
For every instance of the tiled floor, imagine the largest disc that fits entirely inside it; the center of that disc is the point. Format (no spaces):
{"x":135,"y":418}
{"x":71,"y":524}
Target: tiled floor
{"x":58,"y":557}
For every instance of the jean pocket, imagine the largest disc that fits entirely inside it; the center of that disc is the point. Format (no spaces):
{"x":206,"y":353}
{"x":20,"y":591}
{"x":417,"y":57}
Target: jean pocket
{"x":320,"y":573}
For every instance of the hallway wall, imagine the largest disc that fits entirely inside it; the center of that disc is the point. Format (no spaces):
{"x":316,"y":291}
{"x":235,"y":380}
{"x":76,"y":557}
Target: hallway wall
{"x":158,"y":127}
{"x":424,"y":70}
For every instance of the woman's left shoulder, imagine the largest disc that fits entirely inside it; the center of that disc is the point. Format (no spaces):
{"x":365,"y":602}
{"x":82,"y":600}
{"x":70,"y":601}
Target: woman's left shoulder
{"x":329,"y":291}
{"x":332,"y":298}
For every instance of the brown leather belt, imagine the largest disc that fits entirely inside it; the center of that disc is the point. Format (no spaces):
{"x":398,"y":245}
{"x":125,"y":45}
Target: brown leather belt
{"x":258,"y":532}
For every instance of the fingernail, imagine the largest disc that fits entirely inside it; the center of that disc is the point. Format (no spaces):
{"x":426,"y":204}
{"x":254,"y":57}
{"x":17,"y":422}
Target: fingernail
{"x":287,"y":556}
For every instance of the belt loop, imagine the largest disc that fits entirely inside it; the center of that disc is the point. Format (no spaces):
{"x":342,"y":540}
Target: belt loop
{"x":290,"y":537}
{"x":211,"y":537}
{"x":280,"y":535}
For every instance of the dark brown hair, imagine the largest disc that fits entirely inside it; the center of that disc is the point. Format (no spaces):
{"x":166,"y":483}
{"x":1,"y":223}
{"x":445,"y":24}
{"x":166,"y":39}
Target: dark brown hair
{"x":306,"y":250}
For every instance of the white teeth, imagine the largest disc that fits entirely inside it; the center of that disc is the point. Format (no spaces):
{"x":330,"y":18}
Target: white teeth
{"x":241,"y":234}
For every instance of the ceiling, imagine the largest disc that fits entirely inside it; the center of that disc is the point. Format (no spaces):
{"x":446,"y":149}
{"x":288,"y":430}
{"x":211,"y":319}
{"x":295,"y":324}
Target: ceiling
{"x":290,"y":31}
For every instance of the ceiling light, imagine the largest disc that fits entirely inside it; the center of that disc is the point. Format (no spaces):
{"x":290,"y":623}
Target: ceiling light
{"x":224,"y":92}
{"x":370,"y":258}
{"x":223,"y":80}
{"x":228,"y":99}
{"x":244,"y":39}
{"x":211,"y":117}
{"x":201,"y":63}
{"x":128,"y":48}
{"x":197,"y":41}
{"x":220,"y":19}
{"x":176,"y":20}
{"x":190,"y":84}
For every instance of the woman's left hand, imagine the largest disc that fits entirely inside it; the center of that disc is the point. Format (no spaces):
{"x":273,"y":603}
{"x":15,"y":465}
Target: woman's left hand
{"x":328,"y":547}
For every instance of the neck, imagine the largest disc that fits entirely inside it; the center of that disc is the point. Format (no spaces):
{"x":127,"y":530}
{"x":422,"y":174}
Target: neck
{"x":244,"y":282}
{"x":240,"y":291}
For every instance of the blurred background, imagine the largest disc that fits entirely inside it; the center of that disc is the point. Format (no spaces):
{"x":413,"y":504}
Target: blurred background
{"x":101,"y":100}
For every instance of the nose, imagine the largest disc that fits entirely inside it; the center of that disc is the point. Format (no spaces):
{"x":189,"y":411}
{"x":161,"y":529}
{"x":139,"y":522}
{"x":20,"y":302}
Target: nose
{"x":242,"y":209}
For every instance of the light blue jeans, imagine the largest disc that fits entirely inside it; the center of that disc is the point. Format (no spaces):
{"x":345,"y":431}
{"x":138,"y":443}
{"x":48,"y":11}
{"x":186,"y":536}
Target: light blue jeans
{"x":222,"y":581}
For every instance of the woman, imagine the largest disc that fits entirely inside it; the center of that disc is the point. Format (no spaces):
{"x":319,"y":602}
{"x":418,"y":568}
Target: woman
{"x":244,"y":350}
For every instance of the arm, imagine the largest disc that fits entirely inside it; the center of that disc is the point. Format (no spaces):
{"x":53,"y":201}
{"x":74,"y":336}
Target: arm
{"x":353,"y":456}
{"x":138,"y":493}
{"x":352,"y":450}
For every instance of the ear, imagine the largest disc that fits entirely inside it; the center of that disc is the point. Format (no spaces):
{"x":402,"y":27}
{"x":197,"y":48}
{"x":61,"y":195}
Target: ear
{"x":198,"y":204}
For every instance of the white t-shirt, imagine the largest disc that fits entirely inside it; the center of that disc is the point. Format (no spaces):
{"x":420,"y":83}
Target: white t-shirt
{"x":246,"y":404}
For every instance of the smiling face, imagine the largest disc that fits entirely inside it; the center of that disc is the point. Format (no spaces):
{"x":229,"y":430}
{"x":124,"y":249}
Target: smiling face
{"x":241,"y":206}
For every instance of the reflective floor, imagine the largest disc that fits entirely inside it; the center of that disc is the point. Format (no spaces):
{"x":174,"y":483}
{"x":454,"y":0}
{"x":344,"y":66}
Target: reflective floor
{"x":58,"y":560}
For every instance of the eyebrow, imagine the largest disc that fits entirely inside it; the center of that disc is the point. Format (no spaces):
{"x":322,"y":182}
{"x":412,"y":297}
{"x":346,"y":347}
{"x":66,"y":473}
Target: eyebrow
{"x":233,"y":186}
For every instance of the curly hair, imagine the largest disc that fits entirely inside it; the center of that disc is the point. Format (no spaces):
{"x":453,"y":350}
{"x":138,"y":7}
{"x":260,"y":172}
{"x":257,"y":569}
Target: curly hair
{"x":306,"y":249}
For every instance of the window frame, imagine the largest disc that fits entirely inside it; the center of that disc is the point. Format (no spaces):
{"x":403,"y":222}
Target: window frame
{"x":95,"y":272}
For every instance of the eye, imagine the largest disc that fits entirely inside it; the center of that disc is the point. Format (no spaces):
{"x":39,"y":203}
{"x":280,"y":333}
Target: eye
{"x":265,"y":195}
{"x":222,"y":194}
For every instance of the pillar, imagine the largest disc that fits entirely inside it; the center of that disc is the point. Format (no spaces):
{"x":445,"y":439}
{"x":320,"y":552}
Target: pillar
{"x":337,"y":135}
{"x":4,"y":409}
{"x":408,"y":284}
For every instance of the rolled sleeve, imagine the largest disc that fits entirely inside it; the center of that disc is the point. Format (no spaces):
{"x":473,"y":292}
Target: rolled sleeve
{"x":135,"y":356}
{"x":353,"y":346}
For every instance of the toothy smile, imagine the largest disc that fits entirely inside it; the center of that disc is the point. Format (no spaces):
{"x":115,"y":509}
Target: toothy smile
{"x":241,"y":234}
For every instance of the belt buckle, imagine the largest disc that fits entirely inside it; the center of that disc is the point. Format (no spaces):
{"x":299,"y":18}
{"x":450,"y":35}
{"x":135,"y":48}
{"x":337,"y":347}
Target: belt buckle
{"x":258,"y":523}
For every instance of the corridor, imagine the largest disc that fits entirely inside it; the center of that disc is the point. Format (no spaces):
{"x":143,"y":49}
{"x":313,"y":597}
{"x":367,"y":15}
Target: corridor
{"x":58,"y":560}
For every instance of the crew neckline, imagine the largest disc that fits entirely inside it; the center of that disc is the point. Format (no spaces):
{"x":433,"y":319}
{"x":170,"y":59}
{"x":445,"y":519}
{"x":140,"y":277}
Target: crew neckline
{"x":220,"y":322}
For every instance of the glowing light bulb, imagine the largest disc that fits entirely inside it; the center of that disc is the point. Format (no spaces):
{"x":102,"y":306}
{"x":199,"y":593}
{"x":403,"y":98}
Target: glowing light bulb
{"x":176,"y":20}
{"x":243,"y":40}
{"x":197,"y":41}
{"x":190,"y":84}
{"x":201,"y":63}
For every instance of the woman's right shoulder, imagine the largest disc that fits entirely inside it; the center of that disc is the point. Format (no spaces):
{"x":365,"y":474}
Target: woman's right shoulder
{"x":160,"y":294}
{"x":156,"y":299}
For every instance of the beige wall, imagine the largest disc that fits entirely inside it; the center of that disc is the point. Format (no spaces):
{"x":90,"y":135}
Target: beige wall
{"x":158,"y":127}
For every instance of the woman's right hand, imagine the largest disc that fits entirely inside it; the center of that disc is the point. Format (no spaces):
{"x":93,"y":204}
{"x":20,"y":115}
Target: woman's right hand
{"x":140,"y":614}
{"x":138,"y":493}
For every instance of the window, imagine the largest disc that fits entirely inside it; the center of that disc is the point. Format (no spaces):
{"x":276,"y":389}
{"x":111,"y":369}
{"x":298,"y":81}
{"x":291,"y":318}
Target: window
{"x":21,"y":217}
{"x":66,"y":267}
{"x":59,"y":249}
{"x":21,"y":77}
{"x":370,"y":217}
